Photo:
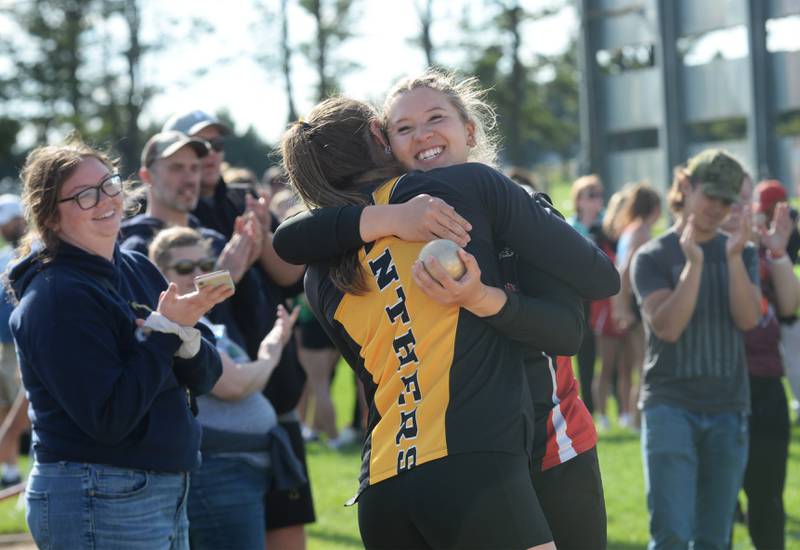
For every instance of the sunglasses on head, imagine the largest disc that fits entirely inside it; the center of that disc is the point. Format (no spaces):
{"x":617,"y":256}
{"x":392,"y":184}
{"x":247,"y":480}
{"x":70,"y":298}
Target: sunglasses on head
{"x":217,"y":144}
{"x":187,"y":267}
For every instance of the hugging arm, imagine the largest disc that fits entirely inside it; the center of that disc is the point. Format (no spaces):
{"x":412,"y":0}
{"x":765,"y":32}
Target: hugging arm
{"x":549,"y":318}
{"x":326,"y":233}
{"x":318,"y":235}
{"x":541,"y":237}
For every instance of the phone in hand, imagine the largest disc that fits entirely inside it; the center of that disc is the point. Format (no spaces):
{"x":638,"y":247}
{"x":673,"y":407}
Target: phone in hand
{"x":222,"y":277}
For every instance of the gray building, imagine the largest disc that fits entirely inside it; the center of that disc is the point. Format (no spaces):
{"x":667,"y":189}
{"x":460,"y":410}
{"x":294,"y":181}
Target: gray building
{"x":649,"y":100}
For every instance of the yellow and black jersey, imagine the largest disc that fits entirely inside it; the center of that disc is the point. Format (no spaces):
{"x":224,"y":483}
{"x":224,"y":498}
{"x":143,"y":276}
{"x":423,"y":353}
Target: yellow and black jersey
{"x":439,"y":380}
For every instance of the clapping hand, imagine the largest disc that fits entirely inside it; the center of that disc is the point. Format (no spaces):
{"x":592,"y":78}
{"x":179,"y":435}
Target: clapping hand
{"x":237,"y":256}
{"x":277,"y":338}
{"x":688,"y":243}
{"x":740,"y":236}
{"x":260,"y":208}
{"x":776,"y":237}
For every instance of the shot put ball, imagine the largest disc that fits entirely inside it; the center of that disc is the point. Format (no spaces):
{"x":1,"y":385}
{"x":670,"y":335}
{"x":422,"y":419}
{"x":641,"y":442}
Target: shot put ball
{"x":446,"y":251}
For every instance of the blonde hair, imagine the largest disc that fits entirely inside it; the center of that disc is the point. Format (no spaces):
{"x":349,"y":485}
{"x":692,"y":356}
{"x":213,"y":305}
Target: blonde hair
{"x":615,"y":206}
{"x":161,"y":247}
{"x":584,"y":183}
{"x":467,"y":97}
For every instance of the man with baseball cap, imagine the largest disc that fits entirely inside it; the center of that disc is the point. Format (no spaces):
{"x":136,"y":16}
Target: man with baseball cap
{"x":202,"y":125}
{"x":698,"y":288}
{"x":170,"y":171}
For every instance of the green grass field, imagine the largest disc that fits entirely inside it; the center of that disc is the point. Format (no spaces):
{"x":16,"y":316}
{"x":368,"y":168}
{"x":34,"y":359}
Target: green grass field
{"x":334,"y":473}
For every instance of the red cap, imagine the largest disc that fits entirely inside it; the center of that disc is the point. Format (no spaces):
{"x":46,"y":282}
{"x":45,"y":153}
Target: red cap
{"x":767,"y":194}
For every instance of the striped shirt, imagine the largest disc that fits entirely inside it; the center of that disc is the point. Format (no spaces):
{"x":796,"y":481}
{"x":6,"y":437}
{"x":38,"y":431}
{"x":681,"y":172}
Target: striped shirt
{"x":705,"y":370}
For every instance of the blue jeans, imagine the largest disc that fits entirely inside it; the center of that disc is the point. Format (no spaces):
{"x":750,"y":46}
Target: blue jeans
{"x":226,"y":505}
{"x":693,"y":467}
{"x":77,"y":505}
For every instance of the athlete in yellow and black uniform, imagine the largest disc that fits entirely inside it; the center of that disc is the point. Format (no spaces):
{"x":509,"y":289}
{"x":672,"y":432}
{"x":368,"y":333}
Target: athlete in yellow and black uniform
{"x":441,"y":383}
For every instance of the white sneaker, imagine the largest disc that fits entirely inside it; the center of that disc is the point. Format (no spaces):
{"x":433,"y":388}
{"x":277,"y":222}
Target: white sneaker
{"x":602,"y":423}
{"x":347,"y":436}
{"x":624,"y":420}
{"x":309,"y":435}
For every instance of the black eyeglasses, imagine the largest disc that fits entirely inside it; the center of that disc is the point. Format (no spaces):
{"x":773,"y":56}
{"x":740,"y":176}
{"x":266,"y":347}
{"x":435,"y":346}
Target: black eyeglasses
{"x":217,"y":143}
{"x":187,"y":267}
{"x":88,"y":198}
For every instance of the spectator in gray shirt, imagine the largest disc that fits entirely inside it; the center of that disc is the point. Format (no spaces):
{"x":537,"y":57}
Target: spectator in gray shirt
{"x":699,"y":290}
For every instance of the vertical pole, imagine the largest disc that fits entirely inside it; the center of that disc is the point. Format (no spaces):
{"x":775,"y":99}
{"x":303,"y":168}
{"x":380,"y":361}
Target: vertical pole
{"x":760,"y":127}
{"x":593,"y":151}
{"x":671,"y":134}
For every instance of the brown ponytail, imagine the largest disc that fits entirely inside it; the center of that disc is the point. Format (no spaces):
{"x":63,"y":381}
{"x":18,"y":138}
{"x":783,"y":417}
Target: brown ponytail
{"x":328,"y":158}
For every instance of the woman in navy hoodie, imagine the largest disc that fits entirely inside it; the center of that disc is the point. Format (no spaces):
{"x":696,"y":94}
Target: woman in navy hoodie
{"x":111,"y":360}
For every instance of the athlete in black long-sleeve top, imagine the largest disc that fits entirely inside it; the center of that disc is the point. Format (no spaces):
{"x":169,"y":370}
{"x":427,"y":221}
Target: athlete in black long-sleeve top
{"x":447,"y":393}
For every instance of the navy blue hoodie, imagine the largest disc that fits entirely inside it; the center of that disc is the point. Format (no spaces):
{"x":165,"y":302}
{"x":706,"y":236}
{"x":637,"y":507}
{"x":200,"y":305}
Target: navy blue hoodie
{"x":139,"y":231}
{"x":98,"y":393}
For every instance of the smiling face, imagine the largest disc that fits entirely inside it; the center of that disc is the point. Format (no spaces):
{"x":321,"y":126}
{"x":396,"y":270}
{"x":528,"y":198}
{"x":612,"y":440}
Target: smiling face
{"x":709,"y":212}
{"x":95,"y":229}
{"x":426,"y":130}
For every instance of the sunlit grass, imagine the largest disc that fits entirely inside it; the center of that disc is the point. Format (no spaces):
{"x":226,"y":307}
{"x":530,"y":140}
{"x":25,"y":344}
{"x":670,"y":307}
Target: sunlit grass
{"x":334,"y":476}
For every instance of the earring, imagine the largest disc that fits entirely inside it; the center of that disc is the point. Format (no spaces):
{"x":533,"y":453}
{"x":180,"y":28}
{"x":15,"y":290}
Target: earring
{"x":387,"y":151}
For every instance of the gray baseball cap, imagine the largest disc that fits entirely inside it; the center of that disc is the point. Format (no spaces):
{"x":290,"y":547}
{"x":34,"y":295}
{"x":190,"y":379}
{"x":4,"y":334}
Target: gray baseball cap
{"x":165,"y":144}
{"x":192,"y":122}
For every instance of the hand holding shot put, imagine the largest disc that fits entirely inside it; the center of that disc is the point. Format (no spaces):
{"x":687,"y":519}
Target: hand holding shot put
{"x":450,"y":275}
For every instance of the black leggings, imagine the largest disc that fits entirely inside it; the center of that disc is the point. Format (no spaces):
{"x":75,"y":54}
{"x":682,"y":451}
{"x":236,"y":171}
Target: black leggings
{"x":475,"y":500}
{"x":571,"y":495}
{"x":765,"y":475}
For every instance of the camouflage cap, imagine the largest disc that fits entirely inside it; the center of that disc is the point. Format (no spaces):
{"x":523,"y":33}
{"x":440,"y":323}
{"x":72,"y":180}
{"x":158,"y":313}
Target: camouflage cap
{"x":718,"y":173}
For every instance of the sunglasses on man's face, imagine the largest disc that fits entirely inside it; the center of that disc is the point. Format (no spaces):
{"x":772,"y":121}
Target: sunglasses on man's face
{"x":217,"y":144}
{"x":187,"y":267}
{"x":594,"y":195}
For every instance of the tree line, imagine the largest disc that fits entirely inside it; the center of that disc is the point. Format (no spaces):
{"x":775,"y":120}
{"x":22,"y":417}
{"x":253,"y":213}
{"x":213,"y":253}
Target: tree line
{"x":76,"y":66}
